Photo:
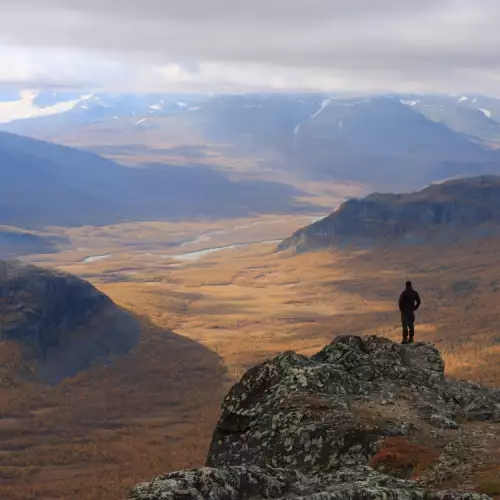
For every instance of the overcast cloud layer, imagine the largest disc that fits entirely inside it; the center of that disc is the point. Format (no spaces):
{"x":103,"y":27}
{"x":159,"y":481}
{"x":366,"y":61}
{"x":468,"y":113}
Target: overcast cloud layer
{"x":160,"y":45}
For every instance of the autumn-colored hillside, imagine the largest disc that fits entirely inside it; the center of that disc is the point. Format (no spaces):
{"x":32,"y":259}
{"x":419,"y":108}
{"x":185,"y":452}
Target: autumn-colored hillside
{"x":154,"y":411}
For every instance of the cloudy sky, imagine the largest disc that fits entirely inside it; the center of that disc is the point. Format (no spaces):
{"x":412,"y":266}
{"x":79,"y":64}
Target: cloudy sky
{"x":219,"y":45}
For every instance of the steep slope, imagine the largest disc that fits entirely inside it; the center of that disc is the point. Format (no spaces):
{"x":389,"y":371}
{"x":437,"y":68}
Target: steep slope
{"x":476,"y":117}
{"x":469,"y":206}
{"x":489,"y":106}
{"x":47,"y":184}
{"x":62,"y":323}
{"x":43,"y":183}
{"x":363,"y":418}
{"x":386,"y":144}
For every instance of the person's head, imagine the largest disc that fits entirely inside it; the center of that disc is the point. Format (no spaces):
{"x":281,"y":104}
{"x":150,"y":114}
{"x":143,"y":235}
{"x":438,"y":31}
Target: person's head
{"x":408,"y":284}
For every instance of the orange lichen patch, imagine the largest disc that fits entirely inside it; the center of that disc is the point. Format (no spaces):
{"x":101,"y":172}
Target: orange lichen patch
{"x":402,"y":458}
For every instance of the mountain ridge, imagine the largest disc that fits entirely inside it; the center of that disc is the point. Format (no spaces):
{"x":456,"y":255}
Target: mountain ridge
{"x":44,"y":184}
{"x":443,"y":211}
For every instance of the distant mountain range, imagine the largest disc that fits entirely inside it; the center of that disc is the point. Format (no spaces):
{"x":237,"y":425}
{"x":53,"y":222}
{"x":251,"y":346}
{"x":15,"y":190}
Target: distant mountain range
{"x":386,"y":143}
{"x":43,"y":184}
{"x":440,"y":213}
{"x":25,"y":111}
{"x":86,"y":107}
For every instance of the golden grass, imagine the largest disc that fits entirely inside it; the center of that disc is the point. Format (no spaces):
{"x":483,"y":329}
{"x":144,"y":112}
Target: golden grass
{"x":96,"y":435}
{"x":252,"y":303}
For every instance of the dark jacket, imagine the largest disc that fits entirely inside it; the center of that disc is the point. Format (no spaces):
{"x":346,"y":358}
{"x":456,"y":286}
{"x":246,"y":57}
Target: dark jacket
{"x":409,"y":301}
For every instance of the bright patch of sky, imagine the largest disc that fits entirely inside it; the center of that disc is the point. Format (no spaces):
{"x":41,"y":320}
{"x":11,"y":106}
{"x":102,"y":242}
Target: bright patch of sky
{"x":25,"y":107}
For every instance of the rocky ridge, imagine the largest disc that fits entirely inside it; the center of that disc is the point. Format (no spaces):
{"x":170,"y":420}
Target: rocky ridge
{"x":439,"y":213}
{"x":365,"y":418}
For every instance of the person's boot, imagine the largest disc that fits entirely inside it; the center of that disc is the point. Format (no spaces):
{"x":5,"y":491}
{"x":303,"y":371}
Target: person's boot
{"x":411,"y":339}
{"x":405,"y":340}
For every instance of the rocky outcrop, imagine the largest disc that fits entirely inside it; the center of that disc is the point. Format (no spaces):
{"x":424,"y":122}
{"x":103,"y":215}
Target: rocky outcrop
{"x":441,"y":212}
{"x":364,"y":418}
{"x":63,"y":323}
{"x":245,"y":483}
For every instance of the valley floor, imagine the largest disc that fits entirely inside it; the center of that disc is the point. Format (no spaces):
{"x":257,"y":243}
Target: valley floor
{"x":154,"y":411}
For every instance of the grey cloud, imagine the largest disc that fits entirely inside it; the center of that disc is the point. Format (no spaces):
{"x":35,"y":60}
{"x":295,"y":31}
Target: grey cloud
{"x":289,"y":11}
{"x":385,"y":42}
{"x":15,"y":85}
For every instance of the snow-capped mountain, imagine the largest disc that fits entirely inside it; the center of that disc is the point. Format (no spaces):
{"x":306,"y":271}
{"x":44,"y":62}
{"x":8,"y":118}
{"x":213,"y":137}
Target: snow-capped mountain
{"x":475,"y":116}
{"x":383,"y":142}
{"x":87,"y":106}
{"x":30,"y":104}
{"x":27,"y":111}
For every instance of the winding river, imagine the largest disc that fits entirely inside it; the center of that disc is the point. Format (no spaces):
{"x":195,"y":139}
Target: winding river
{"x":201,"y":253}
{"x":205,"y":238}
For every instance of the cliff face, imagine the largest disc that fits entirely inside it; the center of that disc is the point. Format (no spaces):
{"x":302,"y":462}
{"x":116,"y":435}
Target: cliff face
{"x":441,"y":211}
{"x":63,"y":323}
{"x":365,"y":418}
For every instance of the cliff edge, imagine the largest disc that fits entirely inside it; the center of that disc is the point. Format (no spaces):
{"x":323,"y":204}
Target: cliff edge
{"x":365,"y":418}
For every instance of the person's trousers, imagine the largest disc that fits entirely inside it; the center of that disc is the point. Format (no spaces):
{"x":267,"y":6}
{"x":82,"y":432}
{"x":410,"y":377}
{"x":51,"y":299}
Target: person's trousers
{"x":408,"y":323}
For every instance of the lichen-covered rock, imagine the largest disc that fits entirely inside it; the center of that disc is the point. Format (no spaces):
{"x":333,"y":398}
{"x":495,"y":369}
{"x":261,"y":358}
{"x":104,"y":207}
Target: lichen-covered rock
{"x":313,"y":413}
{"x":245,"y":483}
{"x":223,"y":484}
{"x":350,"y":422}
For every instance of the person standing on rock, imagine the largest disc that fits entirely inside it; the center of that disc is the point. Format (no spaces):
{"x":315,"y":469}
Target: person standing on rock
{"x":409,"y":302}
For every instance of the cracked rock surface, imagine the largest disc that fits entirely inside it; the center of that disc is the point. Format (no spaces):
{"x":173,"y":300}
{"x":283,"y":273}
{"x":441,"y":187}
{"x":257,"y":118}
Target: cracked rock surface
{"x":362,"y":419}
